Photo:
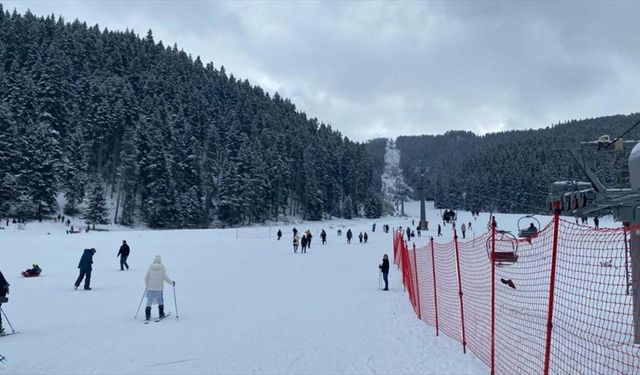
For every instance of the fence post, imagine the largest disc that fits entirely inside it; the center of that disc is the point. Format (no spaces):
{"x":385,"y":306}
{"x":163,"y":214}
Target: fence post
{"x":464,"y":339}
{"x":493,"y":294}
{"x":552,"y":284}
{"x":435,"y":291}
{"x":415,"y":264}
{"x":626,"y":254}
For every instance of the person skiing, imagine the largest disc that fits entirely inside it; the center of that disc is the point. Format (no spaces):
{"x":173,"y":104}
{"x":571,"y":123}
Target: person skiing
{"x":366,"y":237}
{"x":296,"y":242}
{"x":384,"y":268}
{"x":155,"y":278}
{"x":123,"y":253}
{"x":303,"y":244}
{"x":323,"y":237}
{"x":279,"y":234}
{"x":463,"y":228}
{"x":4,"y":290}
{"x":349,"y":236}
{"x":85,"y":269}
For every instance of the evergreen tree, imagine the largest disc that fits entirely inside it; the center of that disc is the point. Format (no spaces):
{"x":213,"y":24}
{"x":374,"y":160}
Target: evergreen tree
{"x":97,"y":211}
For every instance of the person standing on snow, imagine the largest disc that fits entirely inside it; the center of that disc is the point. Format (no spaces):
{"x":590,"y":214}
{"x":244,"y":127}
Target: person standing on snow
{"x":384,"y":268}
{"x":123,"y":253}
{"x":309,"y":236}
{"x":366,"y":237}
{"x":323,"y":236}
{"x":155,"y":278}
{"x":4,"y":290}
{"x":85,"y":269}
{"x":303,"y":244}
{"x":463,"y":228}
{"x":439,"y":230}
{"x":296,"y":242}
{"x":349,"y":236}
{"x":279,"y":234}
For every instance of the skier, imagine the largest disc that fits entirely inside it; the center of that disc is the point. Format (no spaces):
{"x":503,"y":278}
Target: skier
{"x":323,"y":236}
{"x":85,"y":269}
{"x":4,"y":290}
{"x":349,"y":236}
{"x":439,"y":231}
{"x":296,"y":242}
{"x":384,"y":268}
{"x":279,"y":234}
{"x":303,"y":244}
{"x":463,"y":228}
{"x":156,"y":274}
{"x":123,"y":253}
{"x":366,"y":237}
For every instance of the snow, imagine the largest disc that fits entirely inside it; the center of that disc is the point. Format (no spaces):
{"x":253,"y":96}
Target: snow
{"x":247,"y":303}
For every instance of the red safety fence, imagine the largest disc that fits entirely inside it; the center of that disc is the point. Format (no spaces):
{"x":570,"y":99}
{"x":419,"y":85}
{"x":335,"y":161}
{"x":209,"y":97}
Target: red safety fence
{"x":560,"y":302}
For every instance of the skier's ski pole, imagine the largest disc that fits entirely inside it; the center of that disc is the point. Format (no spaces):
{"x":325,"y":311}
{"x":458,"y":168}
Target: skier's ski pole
{"x":140,"y":304}
{"x":7,"y":319}
{"x":379,"y":279}
{"x":174,"y":300}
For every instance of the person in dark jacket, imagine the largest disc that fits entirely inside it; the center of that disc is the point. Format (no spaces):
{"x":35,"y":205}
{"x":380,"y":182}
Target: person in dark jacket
{"x":439,"y":230}
{"x":279,"y":234}
{"x":384,"y":268}
{"x":309,"y":236}
{"x":85,"y":269}
{"x":366,"y":237}
{"x":349,"y":235}
{"x":408,"y":234}
{"x":4,"y":290}
{"x":303,"y":244}
{"x":323,"y":236}
{"x":123,"y":253}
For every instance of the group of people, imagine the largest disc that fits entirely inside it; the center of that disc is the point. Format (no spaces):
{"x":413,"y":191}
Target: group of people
{"x":305,"y":242}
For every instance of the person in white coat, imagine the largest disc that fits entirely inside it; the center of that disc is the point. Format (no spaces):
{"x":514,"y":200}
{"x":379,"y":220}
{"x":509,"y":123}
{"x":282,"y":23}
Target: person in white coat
{"x":155,"y":279}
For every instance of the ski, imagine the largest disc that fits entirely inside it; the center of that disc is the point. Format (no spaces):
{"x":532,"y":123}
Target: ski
{"x":165,"y":316}
{"x":9,"y":333}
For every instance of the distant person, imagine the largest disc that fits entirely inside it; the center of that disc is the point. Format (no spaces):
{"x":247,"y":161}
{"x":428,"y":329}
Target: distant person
{"x":279,"y":234}
{"x":303,"y":244}
{"x":4,"y":290}
{"x":309,"y":237}
{"x":439,"y":231}
{"x":323,"y":237}
{"x":85,"y":269}
{"x":339,"y":232}
{"x":463,"y":228}
{"x":360,"y":237}
{"x":384,"y":268}
{"x":123,"y":253}
{"x":349,"y":236}
{"x":296,"y":243}
{"x":155,"y":278}
{"x":408,"y":233}
{"x":366,"y":237}
{"x":419,"y":231}
{"x":295,"y":231}
{"x":34,"y":271}
{"x":596,"y":222}
{"x":373,"y":227}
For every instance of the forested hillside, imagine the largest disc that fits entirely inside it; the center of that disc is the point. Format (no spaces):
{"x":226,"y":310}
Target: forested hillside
{"x":174,"y":141}
{"x":511,"y":171}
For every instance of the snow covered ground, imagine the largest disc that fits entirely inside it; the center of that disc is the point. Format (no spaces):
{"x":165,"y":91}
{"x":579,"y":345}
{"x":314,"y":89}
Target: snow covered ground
{"x":247,"y":303}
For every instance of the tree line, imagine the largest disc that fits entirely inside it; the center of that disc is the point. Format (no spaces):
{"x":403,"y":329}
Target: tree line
{"x":174,"y":142}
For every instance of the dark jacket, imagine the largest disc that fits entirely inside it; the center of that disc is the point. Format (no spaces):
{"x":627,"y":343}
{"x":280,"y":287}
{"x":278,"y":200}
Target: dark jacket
{"x":4,"y":286}
{"x":124,"y":250}
{"x":87,"y":260}
{"x":385,"y":266}
{"x":303,"y":241}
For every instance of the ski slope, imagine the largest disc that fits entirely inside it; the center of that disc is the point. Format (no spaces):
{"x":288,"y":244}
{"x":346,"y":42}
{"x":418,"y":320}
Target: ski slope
{"x":246,"y":303}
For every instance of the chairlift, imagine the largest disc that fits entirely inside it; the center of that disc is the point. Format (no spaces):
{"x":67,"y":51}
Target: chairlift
{"x":504,"y":257}
{"x":530,"y":231}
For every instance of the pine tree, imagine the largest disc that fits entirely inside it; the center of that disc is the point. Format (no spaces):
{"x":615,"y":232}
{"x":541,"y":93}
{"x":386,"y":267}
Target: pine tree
{"x":97,"y":211}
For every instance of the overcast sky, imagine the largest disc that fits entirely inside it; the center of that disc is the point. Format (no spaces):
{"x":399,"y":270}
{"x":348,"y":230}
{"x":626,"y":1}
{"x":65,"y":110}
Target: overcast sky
{"x":383,"y":69}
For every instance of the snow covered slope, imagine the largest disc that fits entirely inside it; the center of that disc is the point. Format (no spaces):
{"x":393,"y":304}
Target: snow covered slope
{"x":247,"y":304}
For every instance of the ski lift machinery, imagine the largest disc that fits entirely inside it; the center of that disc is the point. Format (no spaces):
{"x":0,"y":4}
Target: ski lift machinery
{"x":593,"y":198}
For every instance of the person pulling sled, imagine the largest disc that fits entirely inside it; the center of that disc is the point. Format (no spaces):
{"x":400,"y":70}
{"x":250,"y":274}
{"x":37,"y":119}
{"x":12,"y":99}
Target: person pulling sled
{"x":155,"y":278}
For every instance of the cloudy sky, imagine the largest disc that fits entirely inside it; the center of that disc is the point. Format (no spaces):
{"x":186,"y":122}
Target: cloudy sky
{"x":383,"y":69}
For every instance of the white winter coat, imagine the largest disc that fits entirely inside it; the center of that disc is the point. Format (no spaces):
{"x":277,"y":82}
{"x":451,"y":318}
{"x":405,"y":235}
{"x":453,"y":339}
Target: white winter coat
{"x":156,"y":275}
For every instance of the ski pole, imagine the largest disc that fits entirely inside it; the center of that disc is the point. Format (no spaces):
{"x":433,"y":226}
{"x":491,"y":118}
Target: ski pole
{"x":175,"y":302}
{"x":7,"y":319}
{"x":140,"y":304}
{"x":379,"y":279}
